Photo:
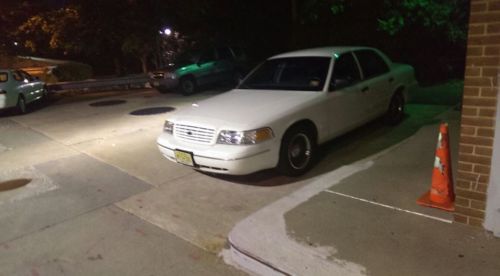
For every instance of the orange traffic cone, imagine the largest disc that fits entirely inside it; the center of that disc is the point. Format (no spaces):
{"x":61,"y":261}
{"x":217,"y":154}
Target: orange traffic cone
{"x":441,"y":194}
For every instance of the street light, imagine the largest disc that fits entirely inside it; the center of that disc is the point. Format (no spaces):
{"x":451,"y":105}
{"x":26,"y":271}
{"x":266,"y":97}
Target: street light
{"x":167,"y":31}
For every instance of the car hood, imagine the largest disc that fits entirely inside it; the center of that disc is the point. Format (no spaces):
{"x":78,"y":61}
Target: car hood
{"x":243,"y":109}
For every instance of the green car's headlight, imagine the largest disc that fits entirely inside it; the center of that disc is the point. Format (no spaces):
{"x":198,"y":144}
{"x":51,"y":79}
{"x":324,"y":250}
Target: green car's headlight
{"x":250,"y":137}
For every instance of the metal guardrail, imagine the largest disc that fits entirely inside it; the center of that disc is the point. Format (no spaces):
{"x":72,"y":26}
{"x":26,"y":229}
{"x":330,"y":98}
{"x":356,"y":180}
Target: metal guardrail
{"x":128,"y":82}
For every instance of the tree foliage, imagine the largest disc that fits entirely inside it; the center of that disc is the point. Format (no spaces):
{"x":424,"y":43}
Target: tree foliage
{"x":56,"y":29}
{"x":126,"y":31}
{"x":441,"y":16}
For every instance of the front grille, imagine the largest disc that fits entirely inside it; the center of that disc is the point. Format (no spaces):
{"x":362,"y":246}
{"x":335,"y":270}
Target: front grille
{"x":195,"y":134}
{"x":157,"y":75}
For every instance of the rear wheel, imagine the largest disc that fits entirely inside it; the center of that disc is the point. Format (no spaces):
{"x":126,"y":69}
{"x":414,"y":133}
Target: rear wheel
{"x":45,"y":94}
{"x":187,"y":86}
{"x":21,"y":105}
{"x":296,"y":152}
{"x":396,"y":110}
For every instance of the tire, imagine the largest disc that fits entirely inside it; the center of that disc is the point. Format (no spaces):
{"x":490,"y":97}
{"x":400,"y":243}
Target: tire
{"x":45,"y":94}
{"x":297,"y":152}
{"x":187,"y":86}
{"x":22,"y":108}
{"x":396,"y":111}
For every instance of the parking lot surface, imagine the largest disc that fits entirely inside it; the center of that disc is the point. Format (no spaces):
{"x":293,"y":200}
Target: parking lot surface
{"x":102,"y":200}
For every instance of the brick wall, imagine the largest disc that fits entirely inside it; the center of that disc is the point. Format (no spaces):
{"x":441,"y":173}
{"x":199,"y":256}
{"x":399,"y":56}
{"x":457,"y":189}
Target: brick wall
{"x":481,"y":88}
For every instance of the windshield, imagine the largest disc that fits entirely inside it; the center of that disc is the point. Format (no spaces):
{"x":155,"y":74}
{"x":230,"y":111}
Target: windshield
{"x":186,"y":58}
{"x":294,"y":73}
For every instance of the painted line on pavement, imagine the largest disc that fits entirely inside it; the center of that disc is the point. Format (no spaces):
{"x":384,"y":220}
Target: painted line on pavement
{"x":389,"y":207}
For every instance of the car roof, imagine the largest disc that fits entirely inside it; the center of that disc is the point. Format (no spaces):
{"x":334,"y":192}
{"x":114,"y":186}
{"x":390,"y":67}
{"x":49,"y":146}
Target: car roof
{"x":320,"y":52}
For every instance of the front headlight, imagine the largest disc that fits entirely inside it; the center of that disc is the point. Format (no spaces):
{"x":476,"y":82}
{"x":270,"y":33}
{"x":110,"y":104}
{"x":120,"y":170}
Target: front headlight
{"x":170,"y":75}
{"x":168,"y":127}
{"x":250,"y":137}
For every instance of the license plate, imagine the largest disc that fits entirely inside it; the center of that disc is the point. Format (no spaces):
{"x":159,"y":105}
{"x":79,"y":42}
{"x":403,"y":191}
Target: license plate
{"x":185,"y":158}
{"x":156,"y":83}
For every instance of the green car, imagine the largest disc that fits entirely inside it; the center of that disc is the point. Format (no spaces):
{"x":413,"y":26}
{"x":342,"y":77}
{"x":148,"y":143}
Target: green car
{"x":194,"y":69}
{"x":18,"y":89}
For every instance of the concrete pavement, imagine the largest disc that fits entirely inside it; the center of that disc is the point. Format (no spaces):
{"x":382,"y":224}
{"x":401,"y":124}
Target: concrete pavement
{"x":89,"y":162}
{"x":74,"y":163}
{"x":362,"y":219}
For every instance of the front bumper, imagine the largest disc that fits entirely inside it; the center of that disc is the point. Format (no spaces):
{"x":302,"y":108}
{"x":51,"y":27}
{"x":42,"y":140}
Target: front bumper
{"x":223,"y":159}
{"x":164,"y":83}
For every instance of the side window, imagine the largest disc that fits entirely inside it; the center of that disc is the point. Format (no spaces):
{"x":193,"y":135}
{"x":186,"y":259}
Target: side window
{"x":17,"y":76}
{"x":371,"y":63}
{"x":345,"y":72}
{"x":207,"y":56}
{"x":26,"y":76}
{"x":224,"y":53}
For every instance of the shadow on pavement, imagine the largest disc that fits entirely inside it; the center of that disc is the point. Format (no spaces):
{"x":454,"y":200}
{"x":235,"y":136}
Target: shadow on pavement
{"x":351,"y":147}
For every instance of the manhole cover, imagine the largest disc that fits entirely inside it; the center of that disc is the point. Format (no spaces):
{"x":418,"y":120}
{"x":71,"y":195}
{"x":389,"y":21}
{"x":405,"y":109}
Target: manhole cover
{"x":152,"y":111}
{"x":107,"y":103}
{"x":13,"y":184}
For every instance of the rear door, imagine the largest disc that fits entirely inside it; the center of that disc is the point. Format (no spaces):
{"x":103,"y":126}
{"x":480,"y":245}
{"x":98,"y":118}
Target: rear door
{"x":346,"y":101}
{"x":377,"y":81}
{"x":33,"y":87}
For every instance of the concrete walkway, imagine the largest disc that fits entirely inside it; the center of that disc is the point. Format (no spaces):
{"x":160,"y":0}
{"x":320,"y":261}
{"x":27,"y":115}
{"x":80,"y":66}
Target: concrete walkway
{"x":362,"y":219}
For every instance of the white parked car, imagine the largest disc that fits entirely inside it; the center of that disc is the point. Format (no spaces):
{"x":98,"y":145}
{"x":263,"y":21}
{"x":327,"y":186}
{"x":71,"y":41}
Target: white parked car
{"x":285,"y":108}
{"x":18,"y":89}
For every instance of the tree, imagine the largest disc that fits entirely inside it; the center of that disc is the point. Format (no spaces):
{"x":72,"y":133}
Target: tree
{"x":14,"y":13}
{"x":56,"y":29}
{"x":429,"y":34}
{"x":446,"y":17}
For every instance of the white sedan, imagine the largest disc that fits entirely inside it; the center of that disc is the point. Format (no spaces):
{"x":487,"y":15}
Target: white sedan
{"x":18,"y":89}
{"x":285,"y":108}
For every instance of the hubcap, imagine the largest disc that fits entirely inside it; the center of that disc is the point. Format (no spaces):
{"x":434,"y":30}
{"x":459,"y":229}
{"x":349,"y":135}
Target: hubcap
{"x":299,"y":151}
{"x":187,"y":86}
{"x":397,"y":107}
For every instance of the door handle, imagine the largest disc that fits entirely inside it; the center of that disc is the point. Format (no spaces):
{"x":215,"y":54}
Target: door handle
{"x":365,"y":89}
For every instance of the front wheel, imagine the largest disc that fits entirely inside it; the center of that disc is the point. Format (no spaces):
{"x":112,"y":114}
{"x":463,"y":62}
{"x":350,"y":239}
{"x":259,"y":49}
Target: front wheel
{"x":296,"y":152}
{"x":21,"y":105}
{"x":45,"y":94}
{"x":187,"y":86}
{"x":396,"y":110}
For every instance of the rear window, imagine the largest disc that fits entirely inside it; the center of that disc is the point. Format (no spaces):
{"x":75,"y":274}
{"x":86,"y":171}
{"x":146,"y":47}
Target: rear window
{"x":4,"y":77}
{"x":371,"y":63}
